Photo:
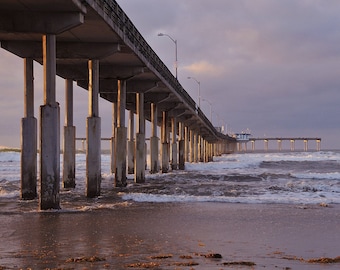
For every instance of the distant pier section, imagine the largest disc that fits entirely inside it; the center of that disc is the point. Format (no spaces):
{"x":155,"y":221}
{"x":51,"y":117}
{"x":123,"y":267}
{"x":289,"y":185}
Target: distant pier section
{"x":244,"y":138}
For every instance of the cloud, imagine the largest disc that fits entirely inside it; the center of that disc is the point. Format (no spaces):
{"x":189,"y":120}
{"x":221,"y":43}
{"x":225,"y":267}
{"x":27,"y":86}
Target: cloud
{"x":269,"y":65}
{"x":204,"y":67}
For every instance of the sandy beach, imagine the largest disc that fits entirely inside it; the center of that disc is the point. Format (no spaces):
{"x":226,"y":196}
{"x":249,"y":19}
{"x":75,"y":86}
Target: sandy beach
{"x":173,"y":236}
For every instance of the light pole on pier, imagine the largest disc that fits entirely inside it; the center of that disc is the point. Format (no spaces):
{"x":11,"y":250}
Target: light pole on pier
{"x":174,"y":41}
{"x":220,"y":121}
{"x":199,"y":91}
{"x":203,"y":99}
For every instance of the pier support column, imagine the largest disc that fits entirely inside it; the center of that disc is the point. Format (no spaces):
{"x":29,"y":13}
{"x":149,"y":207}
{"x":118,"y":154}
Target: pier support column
{"x":206,"y":152}
{"x":181,"y":146}
{"x":131,"y":144}
{"x":200,"y":148}
{"x":120,"y":173}
{"x":210,"y":151}
{"x":49,"y":131}
{"x":140,"y":140}
{"x":195,"y":147}
{"x":266,"y":145}
{"x":154,"y":141}
{"x":186,"y":144}
{"x":192,"y":146}
{"x":165,"y":145}
{"x":69,"y":162}
{"x":28,"y":137}
{"x":305,"y":145}
{"x":279,"y":145}
{"x":93,"y":134}
{"x":318,"y":145}
{"x":114,"y":130}
{"x":174,"y":164}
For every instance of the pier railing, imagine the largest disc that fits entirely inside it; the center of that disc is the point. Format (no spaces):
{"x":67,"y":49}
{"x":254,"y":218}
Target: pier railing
{"x":128,"y":32}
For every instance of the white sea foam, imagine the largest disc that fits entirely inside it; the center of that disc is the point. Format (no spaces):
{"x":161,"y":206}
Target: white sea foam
{"x":252,"y":199}
{"x":313,"y":175}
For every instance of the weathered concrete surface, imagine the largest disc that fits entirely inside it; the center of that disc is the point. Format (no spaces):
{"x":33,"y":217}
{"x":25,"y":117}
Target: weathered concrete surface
{"x":165,"y":157}
{"x":93,"y":157}
{"x":154,"y":159}
{"x":29,"y":158}
{"x":120,"y":167}
{"x":181,"y":161}
{"x":28,"y":137}
{"x":69,"y":163}
{"x":69,"y":149}
{"x":140,"y":158}
{"x":50,"y":157}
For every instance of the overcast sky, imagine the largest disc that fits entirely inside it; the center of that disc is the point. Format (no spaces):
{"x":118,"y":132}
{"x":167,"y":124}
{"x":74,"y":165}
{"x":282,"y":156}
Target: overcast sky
{"x":269,"y":66}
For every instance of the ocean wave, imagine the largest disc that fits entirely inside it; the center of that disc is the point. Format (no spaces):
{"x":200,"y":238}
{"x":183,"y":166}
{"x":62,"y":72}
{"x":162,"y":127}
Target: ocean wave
{"x":265,"y":198}
{"x":315,"y":175}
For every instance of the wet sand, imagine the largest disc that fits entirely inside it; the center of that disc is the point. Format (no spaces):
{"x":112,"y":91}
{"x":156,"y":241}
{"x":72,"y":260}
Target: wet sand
{"x":172,"y":236}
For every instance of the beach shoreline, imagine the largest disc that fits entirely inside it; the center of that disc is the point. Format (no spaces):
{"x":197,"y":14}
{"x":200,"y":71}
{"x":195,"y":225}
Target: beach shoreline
{"x":134,"y":235}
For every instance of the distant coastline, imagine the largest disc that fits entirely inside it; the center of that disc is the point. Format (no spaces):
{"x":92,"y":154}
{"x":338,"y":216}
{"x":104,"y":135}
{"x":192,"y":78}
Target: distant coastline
{"x":9,"y":149}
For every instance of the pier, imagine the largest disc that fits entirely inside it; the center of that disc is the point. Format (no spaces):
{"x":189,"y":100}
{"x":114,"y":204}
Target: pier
{"x":94,"y":44}
{"x":242,"y":144}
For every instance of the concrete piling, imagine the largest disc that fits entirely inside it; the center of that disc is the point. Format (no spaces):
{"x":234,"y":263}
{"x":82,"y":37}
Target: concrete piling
{"x":174,"y":164}
{"x":93,"y":134}
{"x":114,"y":129}
{"x":69,"y":148}
{"x":93,"y":156}
{"x":181,"y":147}
{"x":49,"y":131}
{"x":28,"y":138}
{"x":165,"y":145}
{"x":139,"y":167}
{"x":154,"y":141}
{"x":49,"y":157}
{"x":186,"y":144}
{"x":120,"y":159}
{"x":191,"y":147}
{"x":131,"y":144}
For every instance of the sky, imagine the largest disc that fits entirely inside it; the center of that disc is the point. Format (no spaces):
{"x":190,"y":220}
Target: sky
{"x":268,"y":67}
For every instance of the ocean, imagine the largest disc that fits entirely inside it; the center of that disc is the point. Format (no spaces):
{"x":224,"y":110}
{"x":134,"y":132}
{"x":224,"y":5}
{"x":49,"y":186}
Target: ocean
{"x":251,"y":178}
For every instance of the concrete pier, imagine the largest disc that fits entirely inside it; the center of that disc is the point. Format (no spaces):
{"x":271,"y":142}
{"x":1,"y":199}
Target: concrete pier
{"x":290,"y":140}
{"x":49,"y":131}
{"x":139,"y":176}
{"x":186,"y":144}
{"x":195,"y":147}
{"x":174,"y":163}
{"x":131,"y":144}
{"x":28,"y":137}
{"x":93,"y":136}
{"x":69,"y":149}
{"x":154,"y":141}
{"x":165,"y":145}
{"x":113,"y":138}
{"x":200,"y":148}
{"x":120,"y":159}
{"x":191,"y":147}
{"x":86,"y":32}
{"x":181,"y":147}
